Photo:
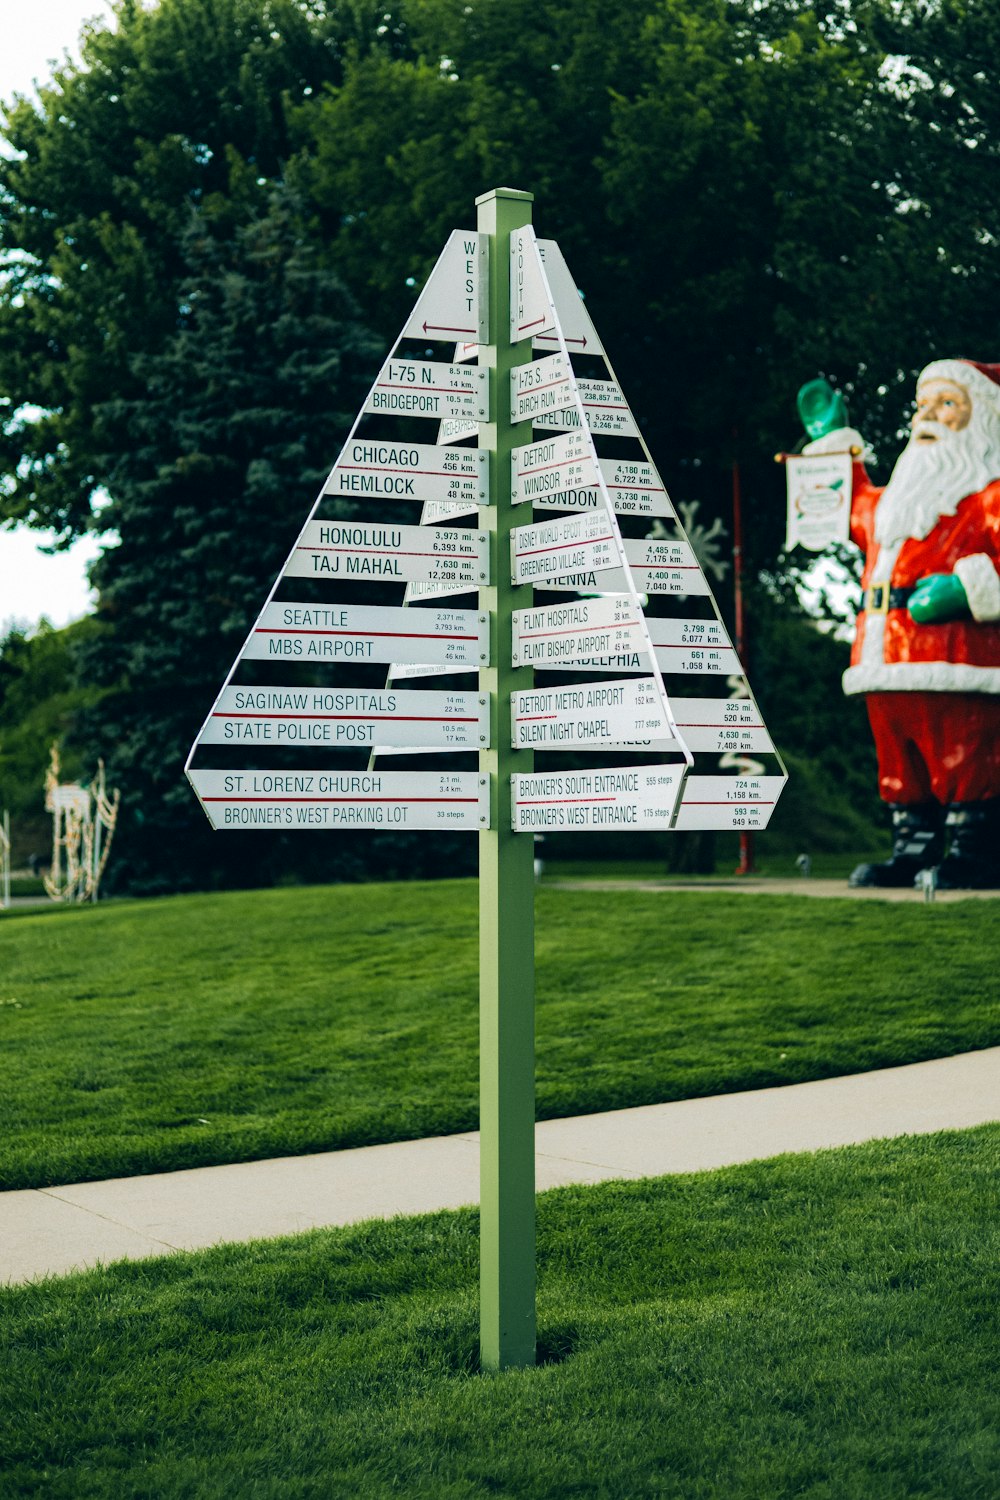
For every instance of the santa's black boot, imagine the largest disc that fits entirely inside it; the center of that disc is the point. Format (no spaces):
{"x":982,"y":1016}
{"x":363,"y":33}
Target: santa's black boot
{"x":917,"y":841}
{"x":972,"y":831}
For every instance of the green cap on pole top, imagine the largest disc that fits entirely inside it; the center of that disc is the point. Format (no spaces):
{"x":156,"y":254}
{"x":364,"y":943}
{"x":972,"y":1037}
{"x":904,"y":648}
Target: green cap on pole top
{"x":821,"y":408}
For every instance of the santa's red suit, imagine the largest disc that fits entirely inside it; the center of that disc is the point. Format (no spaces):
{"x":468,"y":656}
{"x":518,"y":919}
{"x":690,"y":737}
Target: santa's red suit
{"x":932,"y":690}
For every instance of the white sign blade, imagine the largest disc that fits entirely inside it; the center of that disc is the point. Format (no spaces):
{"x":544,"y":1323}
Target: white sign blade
{"x":549,"y":548}
{"x":617,"y":797}
{"x":437,"y":513}
{"x":692,"y":646}
{"x":718,"y":724}
{"x":660,"y":566}
{"x":456,"y":430}
{"x":399,"y":671}
{"x":626,"y":661}
{"x":635,"y":489}
{"x":543,"y":386}
{"x":343,"y":717}
{"x":552,"y":467}
{"x":578,"y":329}
{"x":343,"y":799}
{"x":429,"y":388}
{"x":439,"y":590}
{"x":604,"y":407}
{"x":452,"y":304}
{"x":345,"y":549}
{"x":361,"y":632}
{"x":561,"y":634}
{"x":613,"y":581}
{"x":741,"y":802}
{"x":591,"y":716}
{"x":656,"y":567}
{"x":681,"y":647}
{"x":530,"y":313}
{"x":410,"y":471}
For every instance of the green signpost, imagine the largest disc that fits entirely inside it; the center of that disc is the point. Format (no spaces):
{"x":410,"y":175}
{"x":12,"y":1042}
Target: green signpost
{"x":506,"y":878}
{"x":506,"y":302}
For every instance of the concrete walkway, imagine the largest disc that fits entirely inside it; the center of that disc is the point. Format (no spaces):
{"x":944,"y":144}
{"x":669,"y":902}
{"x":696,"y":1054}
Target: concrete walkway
{"x":744,"y":885}
{"x":60,"y":1229}
{"x":762,"y":885}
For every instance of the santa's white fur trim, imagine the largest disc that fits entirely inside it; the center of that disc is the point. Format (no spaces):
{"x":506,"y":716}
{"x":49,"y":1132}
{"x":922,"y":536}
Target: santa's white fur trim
{"x":960,"y":373}
{"x":838,"y":441}
{"x":978,"y":577}
{"x":920,"y":677}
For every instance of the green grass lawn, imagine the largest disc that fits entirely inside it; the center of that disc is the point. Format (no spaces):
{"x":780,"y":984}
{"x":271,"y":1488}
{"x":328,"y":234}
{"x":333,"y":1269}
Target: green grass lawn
{"x":774,"y":866}
{"x":154,"y":1035}
{"x":816,"y":1326}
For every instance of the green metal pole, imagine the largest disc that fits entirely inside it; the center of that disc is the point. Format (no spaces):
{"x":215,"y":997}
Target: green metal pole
{"x":506,"y":876}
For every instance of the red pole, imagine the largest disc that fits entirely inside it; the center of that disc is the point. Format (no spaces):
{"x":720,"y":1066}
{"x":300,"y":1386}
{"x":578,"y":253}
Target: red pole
{"x":746,"y":864}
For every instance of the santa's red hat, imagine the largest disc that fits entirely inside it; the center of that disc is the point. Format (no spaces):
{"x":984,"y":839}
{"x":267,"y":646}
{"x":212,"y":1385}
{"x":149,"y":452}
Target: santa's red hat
{"x":980,"y":380}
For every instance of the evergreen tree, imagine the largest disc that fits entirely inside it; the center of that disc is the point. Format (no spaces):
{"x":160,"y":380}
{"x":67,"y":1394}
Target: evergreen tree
{"x":211,"y":470}
{"x":755,"y":194}
{"x":178,"y":105}
{"x":748,"y":193}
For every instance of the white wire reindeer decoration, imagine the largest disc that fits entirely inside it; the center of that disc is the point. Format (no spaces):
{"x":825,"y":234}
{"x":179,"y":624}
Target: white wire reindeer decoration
{"x":83,"y":824}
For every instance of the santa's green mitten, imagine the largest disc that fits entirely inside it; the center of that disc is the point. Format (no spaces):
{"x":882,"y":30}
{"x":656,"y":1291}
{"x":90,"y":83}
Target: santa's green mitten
{"x":938,"y":598}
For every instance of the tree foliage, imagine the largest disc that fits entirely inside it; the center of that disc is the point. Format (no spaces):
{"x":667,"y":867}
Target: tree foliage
{"x":749,"y":196}
{"x":200,"y":220}
{"x":179,"y":107}
{"x":40,"y":700}
{"x":211,"y":469}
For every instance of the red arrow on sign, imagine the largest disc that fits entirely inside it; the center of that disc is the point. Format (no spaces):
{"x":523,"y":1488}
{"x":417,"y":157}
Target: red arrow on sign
{"x":440,"y":328}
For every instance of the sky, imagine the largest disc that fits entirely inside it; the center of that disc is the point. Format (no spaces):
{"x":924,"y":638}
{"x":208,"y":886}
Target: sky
{"x":32,"y":35}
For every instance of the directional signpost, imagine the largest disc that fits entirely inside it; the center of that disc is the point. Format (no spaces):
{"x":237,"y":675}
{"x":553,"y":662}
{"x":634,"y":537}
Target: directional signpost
{"x":365,"y":602}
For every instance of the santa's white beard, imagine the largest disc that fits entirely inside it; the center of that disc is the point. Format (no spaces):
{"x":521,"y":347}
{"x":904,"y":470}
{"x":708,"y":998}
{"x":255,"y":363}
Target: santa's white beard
{"x":930,"y":480}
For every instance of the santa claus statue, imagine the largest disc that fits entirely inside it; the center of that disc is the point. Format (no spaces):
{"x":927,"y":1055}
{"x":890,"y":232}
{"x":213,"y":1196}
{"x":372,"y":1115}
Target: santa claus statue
{"x":926,"y":653}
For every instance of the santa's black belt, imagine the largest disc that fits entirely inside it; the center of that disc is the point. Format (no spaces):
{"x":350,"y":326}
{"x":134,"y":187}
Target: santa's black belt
{"x":880,"y":598}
